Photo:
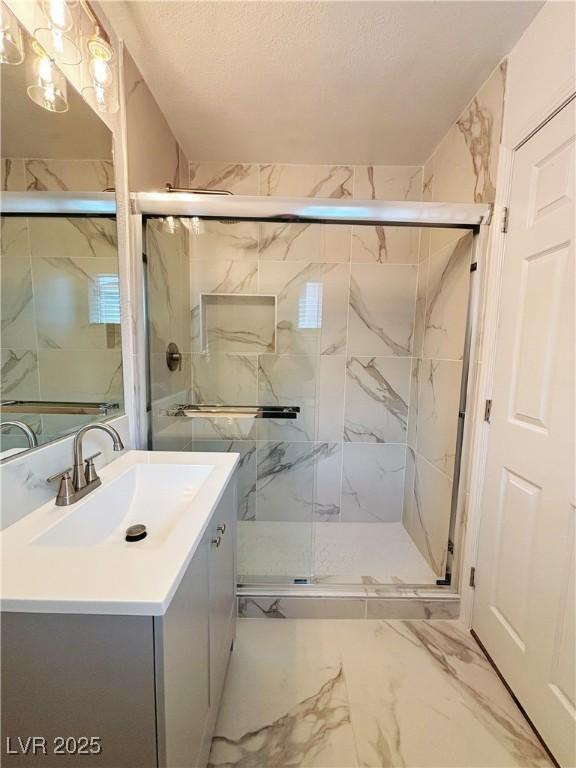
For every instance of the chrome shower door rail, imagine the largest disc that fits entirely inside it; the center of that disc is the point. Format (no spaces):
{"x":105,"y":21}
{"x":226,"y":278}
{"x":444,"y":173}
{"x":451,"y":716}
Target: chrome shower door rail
{"x":312,"y":210}
{"x":58,"y":203}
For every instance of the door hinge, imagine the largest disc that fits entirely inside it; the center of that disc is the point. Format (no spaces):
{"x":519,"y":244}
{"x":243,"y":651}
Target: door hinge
{"x":505,"y":217}
{"x":472,"y":581}
{"x":487,"y":410}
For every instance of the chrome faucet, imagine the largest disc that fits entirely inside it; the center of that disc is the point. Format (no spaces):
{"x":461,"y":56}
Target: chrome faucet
{"x":30,"y":436}
{"x":84,"y":478}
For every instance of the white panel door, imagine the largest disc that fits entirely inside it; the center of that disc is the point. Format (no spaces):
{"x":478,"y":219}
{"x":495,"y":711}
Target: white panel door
{"x":524,"y":602}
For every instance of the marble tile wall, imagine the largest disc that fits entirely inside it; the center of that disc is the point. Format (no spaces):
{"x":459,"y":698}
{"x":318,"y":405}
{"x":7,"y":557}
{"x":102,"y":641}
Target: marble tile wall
{"x":340,"y":345}
{"x":462,"y":168}
{"x":50,"y":348}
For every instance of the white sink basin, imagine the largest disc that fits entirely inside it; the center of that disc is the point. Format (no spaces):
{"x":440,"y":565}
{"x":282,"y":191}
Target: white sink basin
{"x":153,"y":494}
{"x":75,"y":559}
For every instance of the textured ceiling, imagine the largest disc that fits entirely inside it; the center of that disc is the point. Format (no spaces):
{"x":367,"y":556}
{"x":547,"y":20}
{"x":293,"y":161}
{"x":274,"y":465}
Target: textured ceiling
{"x":322,"y":82}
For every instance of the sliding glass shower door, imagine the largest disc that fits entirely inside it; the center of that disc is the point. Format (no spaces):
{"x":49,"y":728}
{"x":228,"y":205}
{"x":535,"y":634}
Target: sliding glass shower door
{"x":360,"y":332}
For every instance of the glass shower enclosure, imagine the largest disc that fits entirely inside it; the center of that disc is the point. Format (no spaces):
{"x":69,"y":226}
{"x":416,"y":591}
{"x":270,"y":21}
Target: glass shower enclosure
{"x":326,"y":342}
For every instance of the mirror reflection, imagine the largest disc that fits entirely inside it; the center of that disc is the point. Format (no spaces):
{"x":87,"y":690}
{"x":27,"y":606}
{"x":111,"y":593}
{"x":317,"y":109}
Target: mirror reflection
{"x":61,"y":359}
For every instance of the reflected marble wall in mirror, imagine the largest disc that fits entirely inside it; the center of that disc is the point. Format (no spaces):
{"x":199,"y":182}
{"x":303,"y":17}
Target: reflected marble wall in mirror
{"x":61,"y":358}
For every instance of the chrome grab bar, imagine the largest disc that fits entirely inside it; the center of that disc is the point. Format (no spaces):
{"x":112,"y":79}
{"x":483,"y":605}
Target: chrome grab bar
{"x":194,"y":411}
{"x":53,"y":406}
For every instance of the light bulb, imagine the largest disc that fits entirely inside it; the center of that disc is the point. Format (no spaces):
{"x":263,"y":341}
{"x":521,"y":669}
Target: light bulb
{"x":46,"y":84}
{"x":100,"y":94}
{"x":59,"y":14}
{"x":59,"y":37}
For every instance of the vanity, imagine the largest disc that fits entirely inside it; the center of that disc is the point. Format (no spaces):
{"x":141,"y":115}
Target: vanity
{"x":114,"y":652}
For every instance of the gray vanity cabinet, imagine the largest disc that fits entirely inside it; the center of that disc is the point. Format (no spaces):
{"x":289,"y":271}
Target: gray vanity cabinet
{"x":148,"y":687}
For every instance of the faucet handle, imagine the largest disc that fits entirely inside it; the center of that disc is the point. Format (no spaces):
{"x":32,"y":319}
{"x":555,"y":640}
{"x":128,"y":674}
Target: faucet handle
{"x":90,"y":470}
{"x":66,"y":490}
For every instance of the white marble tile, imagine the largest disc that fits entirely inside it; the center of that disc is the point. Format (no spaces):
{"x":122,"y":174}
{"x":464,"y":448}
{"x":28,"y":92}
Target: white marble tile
{"x":93,"y":376}
{"x":168,"y":287}
{"x":412,"y":608}
{"x":377,"y":392}
{"x":306,"y":180}
{"x":19,"y":374}
{"x":239,"y":178}
{"x":59,"y":237}
{"x":382,"y":300}
{"x":447,"y":300}
{"x":66,"y":296}
{"x":330,"y":398}
{"x":14,"y":240}
{"x":289,"y":380}
{"x":165,"y":383}
{"x":304,"y":242}
{"x":233,"y":241}
{"x":301,"y":608}
{"x":438,"y":412}
{"x":420,"y":308}
{"x":412,"y":431}
{"x":285,"y":481}
{"x":13,"y":178}
{"x":423,"y":694}
{"x":311,"y":305}
{"x":328,"y":482}
{"x":246,"y":470}
{"x":394,"y":245}
{"x":285,"y":701}
{"x":372,"y":482}
{"x":225,"y":277}
{"x":17,"y":327}
{"x":224,"y":380}
{"x":427,"y":516}
{"x":69,"y":175}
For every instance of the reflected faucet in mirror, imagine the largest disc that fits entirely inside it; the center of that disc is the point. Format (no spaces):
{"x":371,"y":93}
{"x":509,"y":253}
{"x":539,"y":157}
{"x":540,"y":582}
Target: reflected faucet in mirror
{"x":30,"y":436}
{"x":84,"y":477}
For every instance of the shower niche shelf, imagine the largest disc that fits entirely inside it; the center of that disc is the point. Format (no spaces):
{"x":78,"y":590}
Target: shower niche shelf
{"x":238,"y":323}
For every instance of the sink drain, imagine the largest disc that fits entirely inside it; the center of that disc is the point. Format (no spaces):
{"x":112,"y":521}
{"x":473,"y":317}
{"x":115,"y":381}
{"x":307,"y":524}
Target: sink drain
{"x":136,"y":532}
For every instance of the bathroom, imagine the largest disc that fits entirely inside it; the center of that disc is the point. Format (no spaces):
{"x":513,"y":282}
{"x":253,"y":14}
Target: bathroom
{"x":270,"y":328}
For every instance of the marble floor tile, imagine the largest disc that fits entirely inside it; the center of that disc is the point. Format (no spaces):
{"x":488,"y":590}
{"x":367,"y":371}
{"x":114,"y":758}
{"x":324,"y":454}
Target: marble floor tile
{"x":285,"y":701}
{"x":373,"y":693}
{"x":422,"y":694}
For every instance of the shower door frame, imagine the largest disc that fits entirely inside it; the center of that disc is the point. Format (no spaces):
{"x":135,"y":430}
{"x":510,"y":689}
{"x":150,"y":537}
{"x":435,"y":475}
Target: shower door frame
{"x":475,"y":217}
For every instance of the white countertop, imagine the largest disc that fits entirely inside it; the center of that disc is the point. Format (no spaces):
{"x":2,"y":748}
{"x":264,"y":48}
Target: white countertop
{"x":124,"y":578}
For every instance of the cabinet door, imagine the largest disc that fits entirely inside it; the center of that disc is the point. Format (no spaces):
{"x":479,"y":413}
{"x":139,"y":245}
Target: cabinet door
{"x":222,"y":588}
{"x":183,"y":666}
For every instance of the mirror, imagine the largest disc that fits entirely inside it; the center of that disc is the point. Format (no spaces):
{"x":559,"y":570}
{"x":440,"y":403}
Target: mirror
{"x":61,"y":364}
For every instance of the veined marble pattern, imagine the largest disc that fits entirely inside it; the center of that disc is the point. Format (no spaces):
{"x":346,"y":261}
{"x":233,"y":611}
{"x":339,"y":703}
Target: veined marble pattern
{"x":239,"y":178}
{"x":285,"y":480}
{"x":14,"y":241}
{"x":59,"y":237}
{"x":394,"y":245}
{"x":427,"y":510}
{"x":372,"y":482}
{"x":64,"y":293}
{"x":327,"y":491}
{"x":17,"y":326}
{"x":13,"y":174}
{"x":330,"y":398}
{"x":438,"y":412}
{"x":288,"y":380}
{"x":304,"y":242}
{"x":168,"y":287}
{"x":73,"y":175}
{"x":19,"y":374}
{"x":241,"y":327}
{"x":447,"y":300}
{"x":233,"y":241}
{"x":382,"y":301}
{"x":307,"y":180}
{"x":377,"y":390}
{"x":246,"y":470}
{"x":419,"y":694}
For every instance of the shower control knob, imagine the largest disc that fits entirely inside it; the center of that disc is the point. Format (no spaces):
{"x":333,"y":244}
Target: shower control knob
{"x":221,"y":528}
{"x":173,"y":357}
{"x":217,"y":540}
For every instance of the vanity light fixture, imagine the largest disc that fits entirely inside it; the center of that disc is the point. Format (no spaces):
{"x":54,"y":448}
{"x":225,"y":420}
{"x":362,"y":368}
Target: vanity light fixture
{"x":11,"y":43}
{"x":47,"y":86}
{"x":59,"y":38}
{"x":100,"y":94}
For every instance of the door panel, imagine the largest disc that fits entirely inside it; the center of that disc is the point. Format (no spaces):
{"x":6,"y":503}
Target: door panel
{"x":524,"y":606}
